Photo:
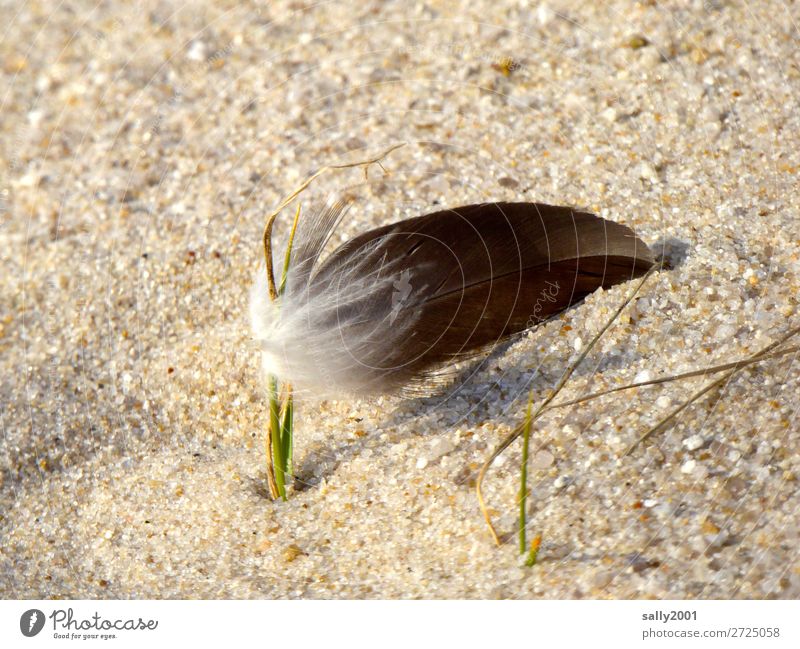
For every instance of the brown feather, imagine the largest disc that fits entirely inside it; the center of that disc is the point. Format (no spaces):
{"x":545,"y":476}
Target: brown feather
{"x":465,"y":279}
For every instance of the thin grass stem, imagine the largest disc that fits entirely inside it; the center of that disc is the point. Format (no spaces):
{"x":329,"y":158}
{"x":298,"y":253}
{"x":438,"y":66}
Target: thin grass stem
{"x":288,"y":257}
{"x":287,"y":430}
{"x":553,"y":393}
{"x":267,"y":237}
{"x":661,"y":425}
{"x":278,"y":455}
{"x":533,"y":553}
{"x":523,"y":477}
{"x":745,"y":362}
{"x":280,"y":434}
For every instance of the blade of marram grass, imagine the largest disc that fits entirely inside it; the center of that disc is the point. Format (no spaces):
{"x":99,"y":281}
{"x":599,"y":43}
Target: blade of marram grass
{"x":287,"y":425}
{"x":278,"y":461}
{"x":661,"y":425}
{"x":267,"y":236}
{"x":279,"y":436}
{"x":533,"y":553}
{"x":288,"y":257}
{"x":540,"y":409}
{"x":287,"y":413}
{"x":759,"y":357}
{"x":523,"y":476}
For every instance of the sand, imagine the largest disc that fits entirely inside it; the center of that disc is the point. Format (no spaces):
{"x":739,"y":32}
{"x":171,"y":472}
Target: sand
{"x":142,"y":148}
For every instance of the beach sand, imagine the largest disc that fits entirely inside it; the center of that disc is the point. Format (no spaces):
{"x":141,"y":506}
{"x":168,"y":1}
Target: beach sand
{"x":142,"y":148}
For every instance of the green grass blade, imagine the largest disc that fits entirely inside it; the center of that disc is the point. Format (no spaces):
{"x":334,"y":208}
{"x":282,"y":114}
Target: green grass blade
{"x":281,"y":419}
{"x":287,"y":259}
{"x":278,"y":454}
{"x":533,"y":554}
{"x":523,"y":478}
{"x":287,"y":439}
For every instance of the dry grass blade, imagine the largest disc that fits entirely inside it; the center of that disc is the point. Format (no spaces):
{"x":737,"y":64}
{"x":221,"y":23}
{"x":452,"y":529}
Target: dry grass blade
{"x":661,"y":425}
{"x":267,"y":239}
{"x":740,"y":364}
{"x":519,"y":430}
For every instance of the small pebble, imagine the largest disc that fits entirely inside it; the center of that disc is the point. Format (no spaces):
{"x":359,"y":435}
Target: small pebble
{"x":292,"y":552}
{"x":663,"y":401}
{"x":609,"y":114}
{"x":647,"y":171}
{"x":197,"y":51}
{"x":694,"y":442}
{"x":561,"y":481}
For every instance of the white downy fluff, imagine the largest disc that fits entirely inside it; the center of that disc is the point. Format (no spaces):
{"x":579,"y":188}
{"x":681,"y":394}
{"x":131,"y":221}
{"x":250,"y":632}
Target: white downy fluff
{"x":314,"y":335}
